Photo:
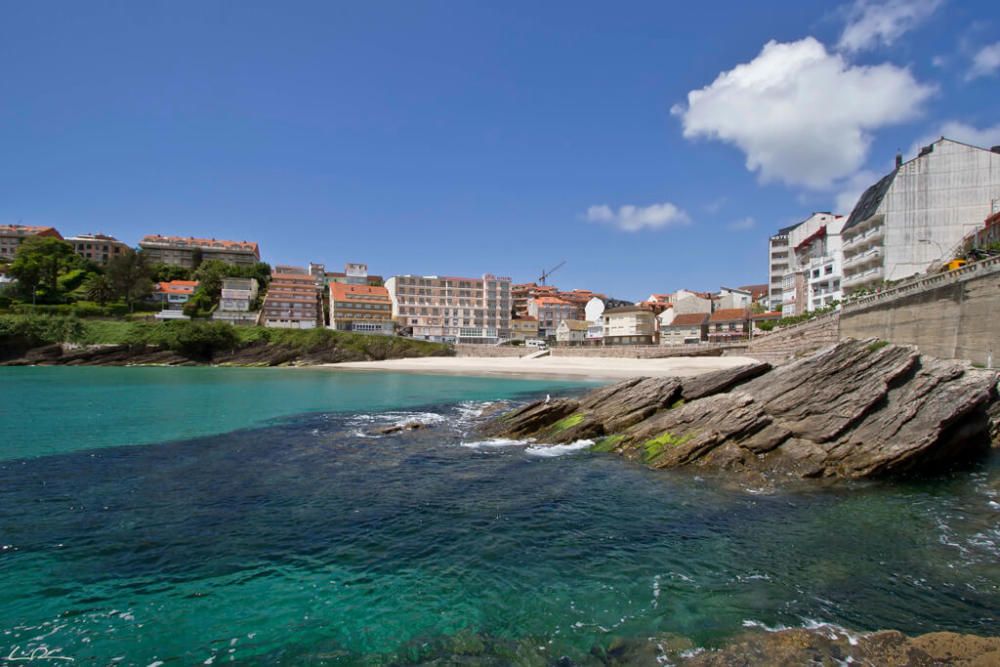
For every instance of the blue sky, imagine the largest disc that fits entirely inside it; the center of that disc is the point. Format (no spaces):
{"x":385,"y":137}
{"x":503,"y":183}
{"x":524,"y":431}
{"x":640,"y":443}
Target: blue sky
{"x":469,"y":137}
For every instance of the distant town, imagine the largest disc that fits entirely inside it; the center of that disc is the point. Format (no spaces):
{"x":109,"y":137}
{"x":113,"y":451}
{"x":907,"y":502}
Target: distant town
{"x":934,"y":213}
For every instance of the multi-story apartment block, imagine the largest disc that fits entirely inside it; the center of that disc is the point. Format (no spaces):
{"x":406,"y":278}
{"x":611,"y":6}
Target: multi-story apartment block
{"x":361,"y":308}
{"x":916,"y":216}
{"x":98,"y":248}
{"x":522,"y":293}
{"x":12,"y":236}
{"x":807,"y":244}
{"x":629,"y":325}
{"x":292,"y":302}
{"x":449,"y":309}
{"x":236,"y":305}
{"x":185,"y":251}
{"x":550,"y":311}
{"x":778,"y":264}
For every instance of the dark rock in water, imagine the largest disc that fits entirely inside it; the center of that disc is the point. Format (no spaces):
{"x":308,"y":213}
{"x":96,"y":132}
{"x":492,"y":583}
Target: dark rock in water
{"x":398,"y":428}
{"x":835,"y":646}
{"x":856,"y":410}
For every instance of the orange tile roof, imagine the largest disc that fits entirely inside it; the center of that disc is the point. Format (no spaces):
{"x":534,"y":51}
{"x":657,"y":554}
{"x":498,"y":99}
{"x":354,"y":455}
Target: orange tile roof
{"x":689,"y":320}
{"x":773,"y":315}
{"x":343,"y":291}
{"x":729,"y":315}
{"x":177,"y":286}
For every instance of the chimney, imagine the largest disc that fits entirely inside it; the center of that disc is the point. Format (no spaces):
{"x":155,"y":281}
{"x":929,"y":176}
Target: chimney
{"x":899,"y":160}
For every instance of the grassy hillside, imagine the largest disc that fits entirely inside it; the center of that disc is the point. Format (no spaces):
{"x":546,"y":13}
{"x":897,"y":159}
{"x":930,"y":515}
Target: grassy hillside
{"x":208,"y":341}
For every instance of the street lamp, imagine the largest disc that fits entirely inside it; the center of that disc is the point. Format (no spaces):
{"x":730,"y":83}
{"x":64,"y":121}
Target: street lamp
{"x":940,"y":251}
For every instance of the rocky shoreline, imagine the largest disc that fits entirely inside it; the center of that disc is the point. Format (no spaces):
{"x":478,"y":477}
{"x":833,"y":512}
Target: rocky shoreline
{"x":255,"y":354}
{"x":859,"y":409}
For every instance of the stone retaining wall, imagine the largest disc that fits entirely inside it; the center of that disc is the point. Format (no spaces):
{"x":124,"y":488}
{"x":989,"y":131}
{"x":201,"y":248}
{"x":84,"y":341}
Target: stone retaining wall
{"x":492,"y":351}
{"x":647,"y":351}
{"x":788,"y":343}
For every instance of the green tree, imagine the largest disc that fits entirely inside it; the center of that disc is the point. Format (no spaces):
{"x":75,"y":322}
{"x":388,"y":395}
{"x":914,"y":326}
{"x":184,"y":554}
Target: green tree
{"x":129,"y":276}
{"x":165,"y":273}
{"x":99,"y":288}
{"x":39,"y":262}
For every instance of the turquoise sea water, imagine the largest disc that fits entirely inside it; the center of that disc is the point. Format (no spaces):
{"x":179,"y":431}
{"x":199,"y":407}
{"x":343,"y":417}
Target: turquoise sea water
{"x":202,"y":516}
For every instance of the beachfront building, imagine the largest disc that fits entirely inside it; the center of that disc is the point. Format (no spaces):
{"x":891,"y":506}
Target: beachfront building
{"x":686,"y":301}
{"x":522,"y":293}
{"x":571,"y":332}
{"x":451,"y":309}
{"x":172,"y":295}
{"x":914,"y":218}
{"x":292,"y":302}
{"x":629,"y":325}
{"x":237,"y":302}
{"x":819,"y":258}
{"x":12,"y":236}
{"x":189,"y":251}
{"x":807,"y":248}
{"x":684,"y":329}
{"x":523,"y":328}
{"x":550,"y":311}
{"x":778,"y":264}
{"x":98,"y":248}
{"x":729,"y":324}
{"x":729,"y":298}
{"x":360,"y":308}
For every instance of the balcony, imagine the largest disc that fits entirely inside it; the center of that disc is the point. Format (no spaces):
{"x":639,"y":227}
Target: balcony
{"x":874,"y":274}
{"x":863,"y":258}
{"x":863,"y":240}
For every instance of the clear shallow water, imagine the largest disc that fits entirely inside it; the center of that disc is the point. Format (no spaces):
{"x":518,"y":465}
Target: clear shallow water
{"x":304,"y":542}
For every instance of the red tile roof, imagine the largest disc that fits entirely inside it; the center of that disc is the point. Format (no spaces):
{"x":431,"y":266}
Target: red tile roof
{"x":345,"y":292}
{"x":177,"y":287}
{"x":551,"y":301}
{"x":689,"y":320}
{"x":196,"y":242}
{"x":730,"y":315}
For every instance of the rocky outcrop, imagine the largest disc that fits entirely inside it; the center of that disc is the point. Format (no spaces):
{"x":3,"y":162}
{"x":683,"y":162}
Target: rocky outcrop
{"x":859,"y":409}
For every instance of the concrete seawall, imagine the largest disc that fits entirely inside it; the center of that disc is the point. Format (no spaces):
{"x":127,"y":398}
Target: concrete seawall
{"x":954,"y":315}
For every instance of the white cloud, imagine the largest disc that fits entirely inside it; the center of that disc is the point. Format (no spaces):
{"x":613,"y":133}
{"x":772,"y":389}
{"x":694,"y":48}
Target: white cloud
{"x":743,"y":224}
{"x":852,"y":189}
{"x":985,"y":63}
{"x":870,"y":23}
{"x":802,"y":115}
{"x":633,"y":218}
{"x":958,"y":131}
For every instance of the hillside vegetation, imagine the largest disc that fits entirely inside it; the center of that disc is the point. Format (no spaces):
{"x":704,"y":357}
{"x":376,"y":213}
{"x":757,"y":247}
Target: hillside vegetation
{"x":40,"y":339}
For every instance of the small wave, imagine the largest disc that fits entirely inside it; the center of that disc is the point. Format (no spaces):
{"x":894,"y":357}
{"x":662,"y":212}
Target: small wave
{"x":558,"y":450}
{"x":495,"y":442}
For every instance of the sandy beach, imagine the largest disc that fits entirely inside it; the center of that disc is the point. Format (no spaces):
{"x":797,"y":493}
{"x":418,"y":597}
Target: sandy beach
{"x":597,"y":368}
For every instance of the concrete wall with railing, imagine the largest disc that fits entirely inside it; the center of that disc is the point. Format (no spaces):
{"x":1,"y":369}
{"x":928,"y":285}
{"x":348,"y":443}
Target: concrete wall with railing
{"x":952,"y":315}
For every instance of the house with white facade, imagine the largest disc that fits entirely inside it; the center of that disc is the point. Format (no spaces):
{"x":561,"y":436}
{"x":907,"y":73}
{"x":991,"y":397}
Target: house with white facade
{"x":571,"y":332}
{"x":795,"y":295}
{"x":914,"y":218}
{"x":629,"y":325}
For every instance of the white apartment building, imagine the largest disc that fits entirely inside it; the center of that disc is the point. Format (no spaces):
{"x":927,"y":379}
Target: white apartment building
{"x":914,"y":217}
{"x":778,"y":264}
{"x":807,"y":248}
{"x":450,"y":309}
{"x":237,"y":300}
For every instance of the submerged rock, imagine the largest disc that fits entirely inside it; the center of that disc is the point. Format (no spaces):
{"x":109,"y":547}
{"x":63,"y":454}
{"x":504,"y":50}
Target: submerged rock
{"x":859,"y":409}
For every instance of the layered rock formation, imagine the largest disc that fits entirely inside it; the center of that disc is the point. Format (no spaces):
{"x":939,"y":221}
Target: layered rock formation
{"x":859,"y":409}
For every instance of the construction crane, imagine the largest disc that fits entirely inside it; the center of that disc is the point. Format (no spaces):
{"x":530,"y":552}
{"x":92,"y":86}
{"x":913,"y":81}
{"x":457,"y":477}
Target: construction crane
{"x":546,"y":274}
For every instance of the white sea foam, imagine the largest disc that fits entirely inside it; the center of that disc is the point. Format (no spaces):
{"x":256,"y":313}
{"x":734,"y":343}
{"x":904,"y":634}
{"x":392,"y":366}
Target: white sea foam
{"x":495,"y":442}
{"x":558,"y":450}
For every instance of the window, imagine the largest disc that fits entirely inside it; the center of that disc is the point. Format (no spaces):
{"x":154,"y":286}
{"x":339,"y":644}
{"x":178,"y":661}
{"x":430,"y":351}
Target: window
{"x":828,"y":270}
